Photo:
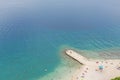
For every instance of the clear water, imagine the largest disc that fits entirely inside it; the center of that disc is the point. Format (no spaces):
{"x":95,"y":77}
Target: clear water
{"x":32,"y":32}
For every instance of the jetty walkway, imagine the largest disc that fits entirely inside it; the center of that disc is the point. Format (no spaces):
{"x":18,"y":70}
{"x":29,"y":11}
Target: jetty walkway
{"x":79,"y":58}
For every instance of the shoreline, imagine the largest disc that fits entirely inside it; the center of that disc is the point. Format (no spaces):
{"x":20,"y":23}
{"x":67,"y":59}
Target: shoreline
{"x":90,"y":68}
{"x":73,"y":70}
{"x":64,"y":71}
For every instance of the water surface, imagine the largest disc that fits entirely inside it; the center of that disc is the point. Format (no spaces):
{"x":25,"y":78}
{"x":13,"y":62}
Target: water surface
{"x":32,"y":33}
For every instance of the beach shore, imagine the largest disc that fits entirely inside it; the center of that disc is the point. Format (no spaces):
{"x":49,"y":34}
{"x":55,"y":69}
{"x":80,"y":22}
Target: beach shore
{"x":84,"y":68}
{"x":90,"y":68}
{"x":64,"y":71}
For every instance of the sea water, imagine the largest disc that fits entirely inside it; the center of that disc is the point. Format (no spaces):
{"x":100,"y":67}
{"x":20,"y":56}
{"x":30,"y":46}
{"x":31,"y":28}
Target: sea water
{"x":33,"y":32}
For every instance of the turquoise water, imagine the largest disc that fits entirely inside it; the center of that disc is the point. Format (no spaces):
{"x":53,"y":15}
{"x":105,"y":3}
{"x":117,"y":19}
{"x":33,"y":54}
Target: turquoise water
{"x":33,"y":32}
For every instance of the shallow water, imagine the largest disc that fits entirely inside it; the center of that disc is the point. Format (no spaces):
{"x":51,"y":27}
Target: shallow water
{"x":32,"y":33}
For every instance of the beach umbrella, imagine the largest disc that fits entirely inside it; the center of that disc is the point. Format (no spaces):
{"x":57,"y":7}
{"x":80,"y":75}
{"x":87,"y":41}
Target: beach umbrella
{"x":101,"y":67}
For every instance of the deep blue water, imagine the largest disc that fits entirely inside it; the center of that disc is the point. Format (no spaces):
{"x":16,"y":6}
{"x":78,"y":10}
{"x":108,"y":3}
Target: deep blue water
{"x":32,"y":32}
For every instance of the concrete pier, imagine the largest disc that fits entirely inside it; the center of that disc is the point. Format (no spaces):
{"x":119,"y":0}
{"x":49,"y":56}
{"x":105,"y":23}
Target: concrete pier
{"x":79,"y":58}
